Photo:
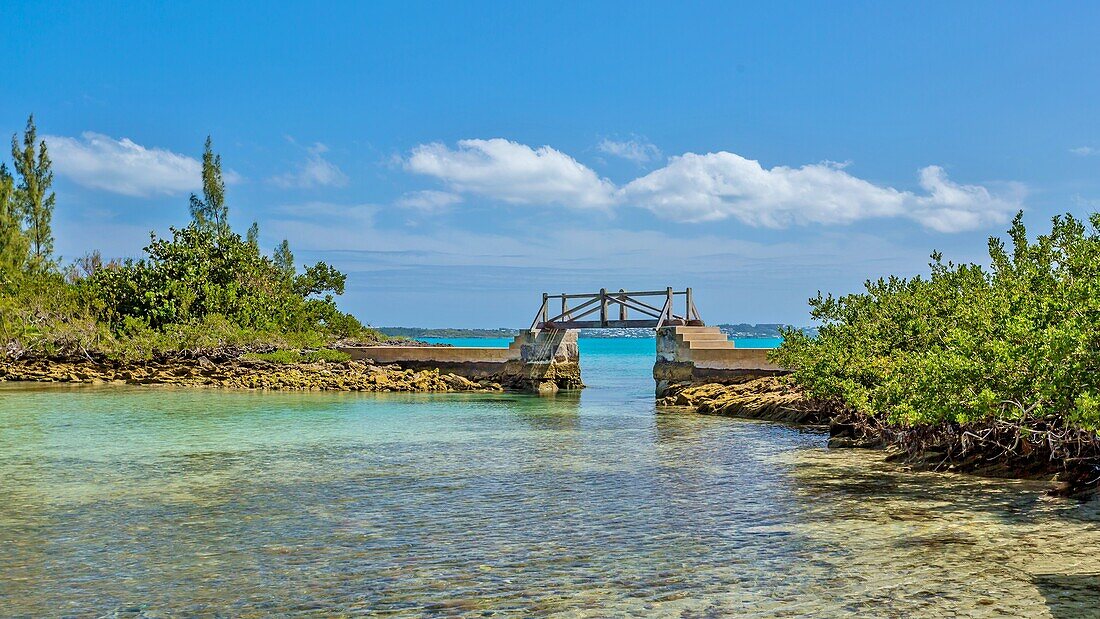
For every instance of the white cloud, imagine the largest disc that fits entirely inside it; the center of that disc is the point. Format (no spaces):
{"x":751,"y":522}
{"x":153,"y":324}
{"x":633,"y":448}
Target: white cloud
{"x":1083,"y":151}
{"x":694,"y":188}
{"x":951,"y":207}
{"x":428,"y":200}
{"x":708,"y":187}
{"x":637,"y":150}
{"x":123,"y":166}
{"x":513,"y":172}
{"x":315,"y":172}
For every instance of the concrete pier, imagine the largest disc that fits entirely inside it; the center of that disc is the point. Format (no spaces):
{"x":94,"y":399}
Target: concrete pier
{"x":537,"y":362}
{"x":695,"y":355}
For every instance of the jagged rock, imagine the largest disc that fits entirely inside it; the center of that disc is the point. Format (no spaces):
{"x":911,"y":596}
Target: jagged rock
{"x":772,"y":397}
{"x":241,"y":374}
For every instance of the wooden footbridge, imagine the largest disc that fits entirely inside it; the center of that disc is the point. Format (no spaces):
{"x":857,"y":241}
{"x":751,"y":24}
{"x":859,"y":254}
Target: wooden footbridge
{"x":610,"y":317}
{"x":546,"y":357}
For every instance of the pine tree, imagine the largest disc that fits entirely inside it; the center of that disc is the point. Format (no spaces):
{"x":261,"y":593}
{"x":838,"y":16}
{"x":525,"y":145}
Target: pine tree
{"x":13,"y":243}
{"x":284,"y":260}
{"x":33,"y":194}
{"x":210,"y":212}
{"x":253,"y":236}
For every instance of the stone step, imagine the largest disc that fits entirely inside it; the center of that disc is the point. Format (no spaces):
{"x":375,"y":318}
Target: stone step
{"x":696,"y":337}
{"x":709,"y":345}
{"x":681,"y":330}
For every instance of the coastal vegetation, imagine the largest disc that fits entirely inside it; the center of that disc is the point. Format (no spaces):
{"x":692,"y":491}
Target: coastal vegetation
{"x":970,"y":364}
{"x":202,"y":287}
{"x":296,"y":356}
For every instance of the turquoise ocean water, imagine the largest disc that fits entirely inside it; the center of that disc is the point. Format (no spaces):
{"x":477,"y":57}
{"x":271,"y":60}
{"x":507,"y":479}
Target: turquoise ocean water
{"x":155,"y":501}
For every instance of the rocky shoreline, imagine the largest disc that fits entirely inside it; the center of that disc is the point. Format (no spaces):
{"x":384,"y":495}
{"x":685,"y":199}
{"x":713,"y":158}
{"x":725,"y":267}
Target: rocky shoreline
{"x":772,"y":398}
{"x":238,"y":373}
{"x":992,"y":450}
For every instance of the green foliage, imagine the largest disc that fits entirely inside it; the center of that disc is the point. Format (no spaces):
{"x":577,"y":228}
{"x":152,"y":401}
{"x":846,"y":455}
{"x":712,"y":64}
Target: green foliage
{"x":33,"y":195}
{"x":198,"y":273}
{"x":326,"y":355}
{"x":42,"y":313}
{"x":134,"y":339}
{"x":967,"y":344}
{"x":284,"y":259}
{"x":211,"y":213}
{"x":202,"y":287}
{"x":13,"y":243}
{"x":319,"y":279}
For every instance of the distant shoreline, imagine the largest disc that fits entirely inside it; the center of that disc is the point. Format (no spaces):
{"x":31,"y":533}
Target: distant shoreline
{"x":742,"y":330}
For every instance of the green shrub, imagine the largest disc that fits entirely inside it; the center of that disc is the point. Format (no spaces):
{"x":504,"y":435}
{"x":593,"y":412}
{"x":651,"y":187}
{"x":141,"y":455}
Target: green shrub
{"x":327,"y":355}
{"x":200,"y":272}
{"x":278,"y":356}
{"x":966,"y":344}
{"x":42,"y":314}
{"x":203,"y":287}
{"x":294,"y":356}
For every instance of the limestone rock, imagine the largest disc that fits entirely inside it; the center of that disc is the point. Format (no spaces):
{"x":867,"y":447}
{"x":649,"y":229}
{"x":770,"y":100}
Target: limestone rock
{"x":241,"y":374}
{"x":772,"y":397}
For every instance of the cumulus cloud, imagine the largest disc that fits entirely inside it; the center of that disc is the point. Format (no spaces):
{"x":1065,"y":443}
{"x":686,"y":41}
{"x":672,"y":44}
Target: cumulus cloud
{"x":428,"y":200}
{"x":315,"y":172}
{"x":512,"y":172}
{"x":710,"y":187}
{"x":123,"y":166}
{"x":1083,"y":151}
{"x":637,"y":150}
{"x":951,"y":207}
{"x":721,"y":185}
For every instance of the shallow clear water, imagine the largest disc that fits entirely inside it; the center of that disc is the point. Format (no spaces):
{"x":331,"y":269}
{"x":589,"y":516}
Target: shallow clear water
{"x":163,"y":502}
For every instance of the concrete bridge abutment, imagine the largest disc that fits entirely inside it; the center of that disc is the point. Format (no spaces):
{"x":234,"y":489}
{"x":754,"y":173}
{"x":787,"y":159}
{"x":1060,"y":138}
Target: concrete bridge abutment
{"x":691,"y":355}
{"x":543,"y":362}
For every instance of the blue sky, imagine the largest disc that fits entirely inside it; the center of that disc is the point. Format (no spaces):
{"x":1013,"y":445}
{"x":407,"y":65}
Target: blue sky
{"x":458,"y":159}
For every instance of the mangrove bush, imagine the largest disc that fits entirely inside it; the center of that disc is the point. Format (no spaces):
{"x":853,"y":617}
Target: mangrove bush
{"x":1017,"y":342}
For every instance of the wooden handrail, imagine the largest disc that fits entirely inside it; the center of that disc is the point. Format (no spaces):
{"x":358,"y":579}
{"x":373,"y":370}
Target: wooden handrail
{"x":570,"y":317}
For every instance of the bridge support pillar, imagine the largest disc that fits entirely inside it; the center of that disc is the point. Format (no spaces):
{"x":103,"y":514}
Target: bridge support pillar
{"x":537,"y":362}
{"x":548,"y":362}
{"x":697,"y":355}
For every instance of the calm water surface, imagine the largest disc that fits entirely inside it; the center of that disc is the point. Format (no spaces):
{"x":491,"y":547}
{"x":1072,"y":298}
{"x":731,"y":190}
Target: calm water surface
{"x":167,"y":502}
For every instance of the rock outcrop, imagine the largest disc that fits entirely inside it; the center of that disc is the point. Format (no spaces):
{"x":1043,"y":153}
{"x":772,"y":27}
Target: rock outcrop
{"x":542,"y":362}
{"x":773,"y":398}
{"x":705,"y":355}
{"x":242,"y":374}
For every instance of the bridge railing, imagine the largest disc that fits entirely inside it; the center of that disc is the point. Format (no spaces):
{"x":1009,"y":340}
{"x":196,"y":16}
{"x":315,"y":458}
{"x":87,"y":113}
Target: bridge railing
{"x":575,"y":307}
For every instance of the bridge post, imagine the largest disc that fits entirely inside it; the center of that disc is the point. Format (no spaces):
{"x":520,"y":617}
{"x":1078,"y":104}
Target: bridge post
{"x":694,"y":355}
{"x":690,"y":305}
{"x":545,"y":309}
{"x":622,"y":306}
{"x":603,"y":307}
